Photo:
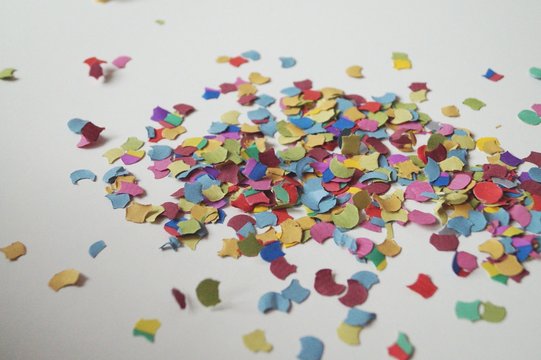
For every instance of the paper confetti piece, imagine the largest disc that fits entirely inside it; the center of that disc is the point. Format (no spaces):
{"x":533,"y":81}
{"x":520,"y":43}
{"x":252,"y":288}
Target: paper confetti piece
{"x":180,"y":298}
{"x":492,"y":75}
{"x":96,"y":70}
{"x":147,"y":328}
{"x":423,"y":286}
{"x":96,"y":248}
{"x":7,"y":74}
{"x":487,"y":192}
{"x":311,"y":348}
{"x":535,"y":72}
{"x":474,"y":104}
{"x":81,"y":174}
{"x":256,"y":341}
{"x":401,"y":61}
{"x":207,"y":292}
{"x":468,"y":310}
{"x":450,"y":111}
{"x":281,"y":268}
{"x":356,"y":294}
{"x":287,"y":62}
{"x":402,"y":349}
{"x":273,"y":301}
{"x":88,"y":131}
{"x":325,"y":285}
{"x":529,"y":117}
{"x":349,"y":334}
{"x":121,"y":61}
{"x":64,"y":278}
{"x":14,"y":250}
{"x":492,"y":313}
{"x":295,"y":292}
{"x":358,"y":317}
{"x":355,"y":71}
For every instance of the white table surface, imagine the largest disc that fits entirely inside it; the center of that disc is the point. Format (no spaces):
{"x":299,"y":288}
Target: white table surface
{"x":450,"y":43}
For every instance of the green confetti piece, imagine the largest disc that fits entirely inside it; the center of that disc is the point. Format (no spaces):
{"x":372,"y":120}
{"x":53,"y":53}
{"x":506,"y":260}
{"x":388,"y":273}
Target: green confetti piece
{"x":7,"y":74}
{"x":250,"y":246}
{"x":468,"y":310}
{"x":133,"y":144}
{"x":207,"y":292}
{"x":404,"y":343}
{"x":339,"y":170}
{"x":493,"y":313}
{"x":474,"y":104}
{"x":529,"y":117}
{"x":535,"y":72}
{"x":190,"y":226}
{"x":160,"y":22}
{"x":348,"y":218}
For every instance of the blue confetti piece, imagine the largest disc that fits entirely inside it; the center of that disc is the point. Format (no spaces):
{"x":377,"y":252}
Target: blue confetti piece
{"x":301,"y":122}
{"x":218,"y":127}
{"x":271,"y":251}
{"x":443,"y":180}
{"x":159,"y":152}
{"x":211,"y":94}
{"x":246,"y":230}
{"x":291,"y":91}
{"x":302,"y":166}
{"x":258,"y":172}
{"x":501,"y":216}
{"x":76,"y":125}
{"x":461,"y":225}
{"x":343,"y":123}
{"x":366,"y":278}
{"x":111,"y":174}
{"x":374,"y":175}
{"x":96,"y":248}
{"x":193,"y":192}
{"x":295,"y":292}
{"x":251,"y":54}
{"x":273,"y":301}
{"x":259,"y":114}
{"x":432,"y":170}
{"x":264,"y":219}
{"x":151,"y":132}
{"x":119,"y":201}
{"x":479,"y":222}
{"x":535,"y":223}
{"x":535,"y":174}
{"x":508,"y":245}
{"x":523,"y":252}
{"x":287,"y":62}
{"x":358,"y":317}
{"x":388,"y":98}
{"x":269,"y":128}
{"x":265,"y":100}
{"x":343,"y":240}
{"x":82,"y":174}
{"x":311,"y":348}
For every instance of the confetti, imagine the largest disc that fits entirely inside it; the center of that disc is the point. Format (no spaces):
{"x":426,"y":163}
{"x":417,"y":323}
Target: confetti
{"x":281,"y":268}
{"x":355,"y":71}
{"x":468,"y":310}
{"x":14,"y":250}
{"x":7,"y":74}
{"x":273,"y":301}
{"x":287,"y":62}
{"x":311,"y":348}
{"x":89,"y":132}
{"x":423,"y":286}
{"x":402,"y":348}
{"x":121,"y":61}
{"x":96,"y":248}
{"x":207,"y":292}
{"x":81,"y":174}
{"x":324,"y":283}
{"x":356,"y":294}
{"x":529,"y":117}
{"x":401,"y":61}
{"x":349,"y":334}
{"x":295,"y":292}
{"x":146,"y":328}
{"x":180,"y":298}
{"x":450,"y":111}
{"x":256,"y":341}
{"x":64,"y":278}
{"x":492,"y":75}
{"x":474,"y":104}
{"x":492,"y":313}
{"x":535,"y":72}
{"x":95,"y":65}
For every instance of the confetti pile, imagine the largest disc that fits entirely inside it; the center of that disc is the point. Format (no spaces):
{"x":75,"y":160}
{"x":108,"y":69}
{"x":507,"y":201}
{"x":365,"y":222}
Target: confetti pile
{"x":348,"y":162}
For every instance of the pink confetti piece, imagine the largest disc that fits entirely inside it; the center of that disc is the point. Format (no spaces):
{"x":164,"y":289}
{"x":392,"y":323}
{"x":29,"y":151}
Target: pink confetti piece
{"x":422,"y":218}
{"x":322,"y":231}
{"x":121,"y":61}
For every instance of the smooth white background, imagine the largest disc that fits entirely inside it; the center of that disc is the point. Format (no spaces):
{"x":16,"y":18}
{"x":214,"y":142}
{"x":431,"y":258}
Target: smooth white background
{"x":450,"y":44}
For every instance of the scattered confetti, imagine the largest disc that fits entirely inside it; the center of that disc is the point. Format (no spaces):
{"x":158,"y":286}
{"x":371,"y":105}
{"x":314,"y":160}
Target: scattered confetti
{"x":147,"y":328}
{"x":273,"y":301}
{"x":355,"y":71}
{"x":423,"y":286}
{"x":64,"y":278}
{"x":256,"y":341}
{"x":349,"y":334}
{"x":14,"y":250}
{"x":207,"y":292}
{"x":477,"y":310}
{"x":492,"y":75}
{"x":311,"y":348}
{"x":295,"y":292}
{"x":96,"y":248}
{"x":402,"y":348}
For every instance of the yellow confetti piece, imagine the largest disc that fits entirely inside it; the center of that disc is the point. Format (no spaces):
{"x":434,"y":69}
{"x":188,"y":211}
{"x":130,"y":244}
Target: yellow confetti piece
{"x":155,"y":211}
{"x":401,"y":116}
{"x":349,"y":334}
{"x":355,"y":71}
{"x":173,"y":133}
{"x":257,"y":78}
{"x":14,"y":250}
{"x":113,"y":155}
{"x":407,"y":168}
{"x":137,"y":212}
{"x":133,"y":144}
{"x":230,"y":117}
{"x":230,"y":247}
{"x":64,"y":278}
{"x":346,"y":217}
{"x":246,"y":89}
{"x":492,"y":247}
{"x":136,"y":153}
{"x":489,"y":145}
{"x":190,"y":241}
{"x":178,"y":166}
{"x":450,"y":111}
{"x":389,"y":248}
{"x":291,"y":232}
{"x":147,"y":328}
{"x":361,"y":199}
{"x":418,"y":96}
{"x":509,"y":266}
{"x":256,"y":341}
{"x":452,"y":164}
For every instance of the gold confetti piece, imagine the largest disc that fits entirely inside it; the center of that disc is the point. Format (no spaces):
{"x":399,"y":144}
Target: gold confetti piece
{"x":355,"y":71}
{"x":14,"y":250}
{"x":178,"y":166}
{"x":222,"y":59}
{"x":137,"y":212}
{"x":389,"y":248}
{"x":450,"y":111}
{"x":256,"y":341}
{"x":349,"y":334}
{"x":291,"y":232}
{"x":258,"y":79}
{"x":230,"y":247}
{"x":64,"y":278}
{"x":401,"y":116}
{"x":401,"y":64}
{"x":173,"y":133}
{"x":509,"y":266}
{"x":492,"y":247}
{"x":489,"y":145}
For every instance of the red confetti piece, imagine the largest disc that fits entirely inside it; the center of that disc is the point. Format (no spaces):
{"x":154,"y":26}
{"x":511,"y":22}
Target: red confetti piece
{"x":424,"y":286}
{"x":325,"y":284}
{"x":184,"y":109}
{"x":96,"y":70}
{"x":237,"y":61}
{"x":444,"y":242}
{"x":281,"y":268}
{"x":397,"y":352}
{"x":356,"y":294}
{"x":487,"y":192}
{"x":179,"y":297}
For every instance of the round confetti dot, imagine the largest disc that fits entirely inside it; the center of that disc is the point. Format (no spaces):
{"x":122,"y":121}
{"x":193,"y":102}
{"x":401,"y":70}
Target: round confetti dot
{"x":487,"y":192}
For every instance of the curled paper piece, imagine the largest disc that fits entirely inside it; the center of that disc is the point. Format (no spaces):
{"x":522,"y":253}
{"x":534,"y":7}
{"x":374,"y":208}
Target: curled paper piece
{"x":64,"y":278}
{"x":14,"y":250}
